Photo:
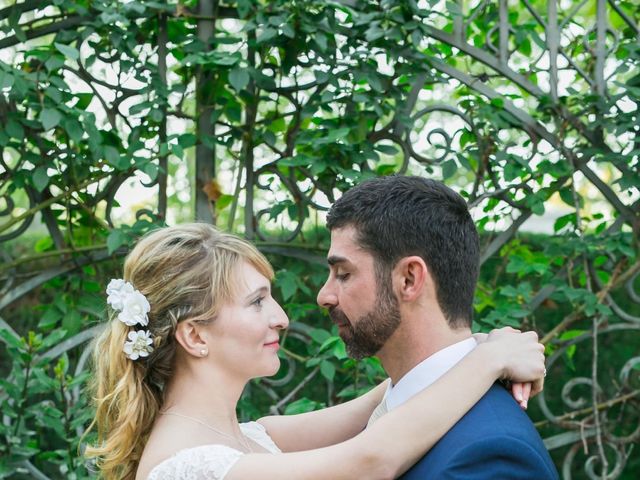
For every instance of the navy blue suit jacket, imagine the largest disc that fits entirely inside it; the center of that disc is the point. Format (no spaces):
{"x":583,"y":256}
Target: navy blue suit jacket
{"x":495,"y":440}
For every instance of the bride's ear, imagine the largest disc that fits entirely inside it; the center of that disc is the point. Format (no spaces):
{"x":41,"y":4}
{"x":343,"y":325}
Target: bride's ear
{"x":189,"y":337}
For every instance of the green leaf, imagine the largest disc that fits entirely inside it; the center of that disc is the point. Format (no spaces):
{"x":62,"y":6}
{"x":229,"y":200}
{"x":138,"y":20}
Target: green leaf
{"x":11,"y":340}
{"x":328,"y":370}
{"x":187,"y":140}
{"x":566,"y":194}
{"x":454,"y":8}
{"x":386,"y":149}
{"x":116,"y":239}
{"x":50,"y":118}
{"x":112,"y":156}
{"x":321,"y":40}
{"x":44,"y":244}
{"x":375,"y":82}
{"x":288,"y":283}
{"x":339,"y":350}
{"x":266,"y":35}
{"x":84,"y":99}
{"x":54,"y":338}
{"x":302,"y":405}
{"x":569,"y":334}
{"x":74,"y":129}
{"x":239,"y":78}
{"x":49,"y":319}
{"x":564,"y":220}
{"x":319,"y":335}
{"x":449,"y":168}
{"x":40,"y":178}
{"x":15,"y":130}
{"x":224,"y":201}
{"x":329,"y":342}
{"x":68,"y":51}
{"x":288,"y":31}
{"x":54,"y":63}
{"x":151,"y":169}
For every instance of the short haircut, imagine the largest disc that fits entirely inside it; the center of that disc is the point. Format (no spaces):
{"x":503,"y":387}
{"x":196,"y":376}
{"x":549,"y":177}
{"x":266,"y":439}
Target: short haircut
{"x":400,"y":216}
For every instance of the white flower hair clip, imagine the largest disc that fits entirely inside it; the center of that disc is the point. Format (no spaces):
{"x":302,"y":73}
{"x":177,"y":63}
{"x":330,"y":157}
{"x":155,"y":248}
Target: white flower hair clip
{"x":139,"y":344}
{"x":132,"y":307}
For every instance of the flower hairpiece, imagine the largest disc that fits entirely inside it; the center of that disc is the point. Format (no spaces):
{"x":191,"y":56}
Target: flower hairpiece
{"x":132,"y":307}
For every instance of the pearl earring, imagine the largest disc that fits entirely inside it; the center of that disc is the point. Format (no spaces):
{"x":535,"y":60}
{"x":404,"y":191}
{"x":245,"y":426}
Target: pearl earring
{"x":203,"y":352}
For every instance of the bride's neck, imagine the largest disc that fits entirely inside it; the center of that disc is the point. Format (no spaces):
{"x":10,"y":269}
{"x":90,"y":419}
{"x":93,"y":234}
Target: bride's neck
{"x":209,"y":396}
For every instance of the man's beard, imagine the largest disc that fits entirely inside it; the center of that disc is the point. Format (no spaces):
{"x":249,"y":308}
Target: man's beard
{"x":367,"y":335}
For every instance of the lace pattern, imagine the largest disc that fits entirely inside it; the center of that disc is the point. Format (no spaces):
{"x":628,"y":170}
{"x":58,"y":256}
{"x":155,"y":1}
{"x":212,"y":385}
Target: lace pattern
{"x":209,"y":462}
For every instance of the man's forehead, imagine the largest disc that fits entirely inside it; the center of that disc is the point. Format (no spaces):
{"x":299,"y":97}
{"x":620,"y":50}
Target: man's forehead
{"x":344,"y":246}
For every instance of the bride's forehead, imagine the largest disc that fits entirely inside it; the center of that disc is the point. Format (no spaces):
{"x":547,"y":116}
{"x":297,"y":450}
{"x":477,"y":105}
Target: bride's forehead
{"x":248,"y":278}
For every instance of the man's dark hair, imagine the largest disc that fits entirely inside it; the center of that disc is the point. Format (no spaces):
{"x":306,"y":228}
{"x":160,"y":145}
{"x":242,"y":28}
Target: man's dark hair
{"x":400,"y":216}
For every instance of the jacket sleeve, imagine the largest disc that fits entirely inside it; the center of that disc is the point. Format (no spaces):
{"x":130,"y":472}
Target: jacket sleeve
{"x":494,"y":458}
{"x":489,"y":458}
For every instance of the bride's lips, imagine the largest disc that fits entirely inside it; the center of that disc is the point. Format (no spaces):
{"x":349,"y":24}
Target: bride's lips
{"x":275,"y":344}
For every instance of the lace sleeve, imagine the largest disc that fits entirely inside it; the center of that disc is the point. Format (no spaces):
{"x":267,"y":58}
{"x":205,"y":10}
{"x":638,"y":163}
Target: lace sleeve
{"x":207,"y":462}
{"x":256,"y":432}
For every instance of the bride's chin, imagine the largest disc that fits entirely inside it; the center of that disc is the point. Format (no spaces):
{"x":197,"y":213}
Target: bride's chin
{"x":274,"y":369}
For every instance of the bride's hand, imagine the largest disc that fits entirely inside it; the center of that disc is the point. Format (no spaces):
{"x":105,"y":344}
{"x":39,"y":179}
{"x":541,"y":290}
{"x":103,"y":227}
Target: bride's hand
{"x":520,"y":356}
{"x":521,"y":391}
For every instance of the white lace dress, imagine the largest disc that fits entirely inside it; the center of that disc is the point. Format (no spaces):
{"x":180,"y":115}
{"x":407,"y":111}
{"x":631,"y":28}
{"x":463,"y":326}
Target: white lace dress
{"x":209,"y":462}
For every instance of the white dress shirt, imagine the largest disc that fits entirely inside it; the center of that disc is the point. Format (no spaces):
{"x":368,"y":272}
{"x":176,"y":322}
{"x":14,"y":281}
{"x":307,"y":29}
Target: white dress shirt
{"x":427,"y":372}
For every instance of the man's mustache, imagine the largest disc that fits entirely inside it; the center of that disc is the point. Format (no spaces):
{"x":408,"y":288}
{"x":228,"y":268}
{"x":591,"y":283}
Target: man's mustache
{"x":338,"y":317}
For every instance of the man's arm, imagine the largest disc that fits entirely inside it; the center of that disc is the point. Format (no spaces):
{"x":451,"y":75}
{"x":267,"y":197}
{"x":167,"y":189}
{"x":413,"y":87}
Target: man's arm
{"x":306,"y":431}
{"x":489,"y":458}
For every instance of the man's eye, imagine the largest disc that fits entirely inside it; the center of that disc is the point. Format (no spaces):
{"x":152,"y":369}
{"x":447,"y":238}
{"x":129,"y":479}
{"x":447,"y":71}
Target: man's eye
{"x":342,"y":277}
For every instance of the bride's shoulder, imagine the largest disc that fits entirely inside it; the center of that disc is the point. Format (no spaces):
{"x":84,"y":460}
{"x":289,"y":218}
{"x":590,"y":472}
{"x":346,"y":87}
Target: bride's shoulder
{"x":211,"y":462}
{"x":255,"y":431}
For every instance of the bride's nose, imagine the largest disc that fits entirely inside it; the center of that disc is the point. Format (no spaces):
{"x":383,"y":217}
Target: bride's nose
{"x":279,"y":319}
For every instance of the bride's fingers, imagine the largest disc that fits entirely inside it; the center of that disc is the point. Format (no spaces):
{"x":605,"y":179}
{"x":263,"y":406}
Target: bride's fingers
{"x":537,"y":386}
{"x":480,"y":337}
{"x":505,"y":330}
{"x":516,"y":391}
{"x":526,"y":391}
{"x":521,"y":392}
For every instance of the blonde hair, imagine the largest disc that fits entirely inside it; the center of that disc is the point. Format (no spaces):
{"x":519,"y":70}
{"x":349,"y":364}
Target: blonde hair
{"x":186,"y":273}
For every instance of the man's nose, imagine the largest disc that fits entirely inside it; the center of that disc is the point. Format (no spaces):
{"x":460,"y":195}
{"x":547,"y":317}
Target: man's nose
{"x":326,"y":297}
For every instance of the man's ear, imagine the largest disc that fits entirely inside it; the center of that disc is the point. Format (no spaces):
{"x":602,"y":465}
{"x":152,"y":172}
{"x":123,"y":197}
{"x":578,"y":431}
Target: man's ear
{"x":410,"y":278}
{"x":188,"y":335}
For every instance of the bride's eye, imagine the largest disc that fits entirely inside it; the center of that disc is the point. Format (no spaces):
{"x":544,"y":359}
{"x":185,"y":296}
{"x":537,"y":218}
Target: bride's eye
{"x":258,"y":302}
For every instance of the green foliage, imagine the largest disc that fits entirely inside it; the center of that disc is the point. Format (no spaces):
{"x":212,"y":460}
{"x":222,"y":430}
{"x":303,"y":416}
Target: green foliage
{"x":42,"y":396}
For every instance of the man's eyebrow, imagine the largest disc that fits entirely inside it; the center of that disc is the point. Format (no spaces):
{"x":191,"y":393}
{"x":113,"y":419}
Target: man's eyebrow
{"x":264,"y":289}
{"x":335,"y":259}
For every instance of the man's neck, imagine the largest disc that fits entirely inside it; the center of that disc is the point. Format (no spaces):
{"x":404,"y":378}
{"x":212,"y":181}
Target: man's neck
{"x":407,"y":348}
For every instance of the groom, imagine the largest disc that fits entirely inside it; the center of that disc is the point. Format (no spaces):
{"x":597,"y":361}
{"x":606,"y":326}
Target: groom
{"x":404,"y":263}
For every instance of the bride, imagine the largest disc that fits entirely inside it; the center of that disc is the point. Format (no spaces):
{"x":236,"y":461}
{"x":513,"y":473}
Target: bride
{"x":192,"y":322}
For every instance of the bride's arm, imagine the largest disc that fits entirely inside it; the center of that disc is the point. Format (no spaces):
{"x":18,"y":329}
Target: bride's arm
{"x":306,"y":431}
{"x":321,"y":428}
{"x":398,"y":439}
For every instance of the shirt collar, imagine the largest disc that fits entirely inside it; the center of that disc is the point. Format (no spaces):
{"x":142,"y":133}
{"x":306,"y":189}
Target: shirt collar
{"x":427,"y":372}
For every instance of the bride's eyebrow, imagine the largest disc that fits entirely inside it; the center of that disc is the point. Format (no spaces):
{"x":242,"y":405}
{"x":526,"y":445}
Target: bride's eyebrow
{"x":262,"y":290}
